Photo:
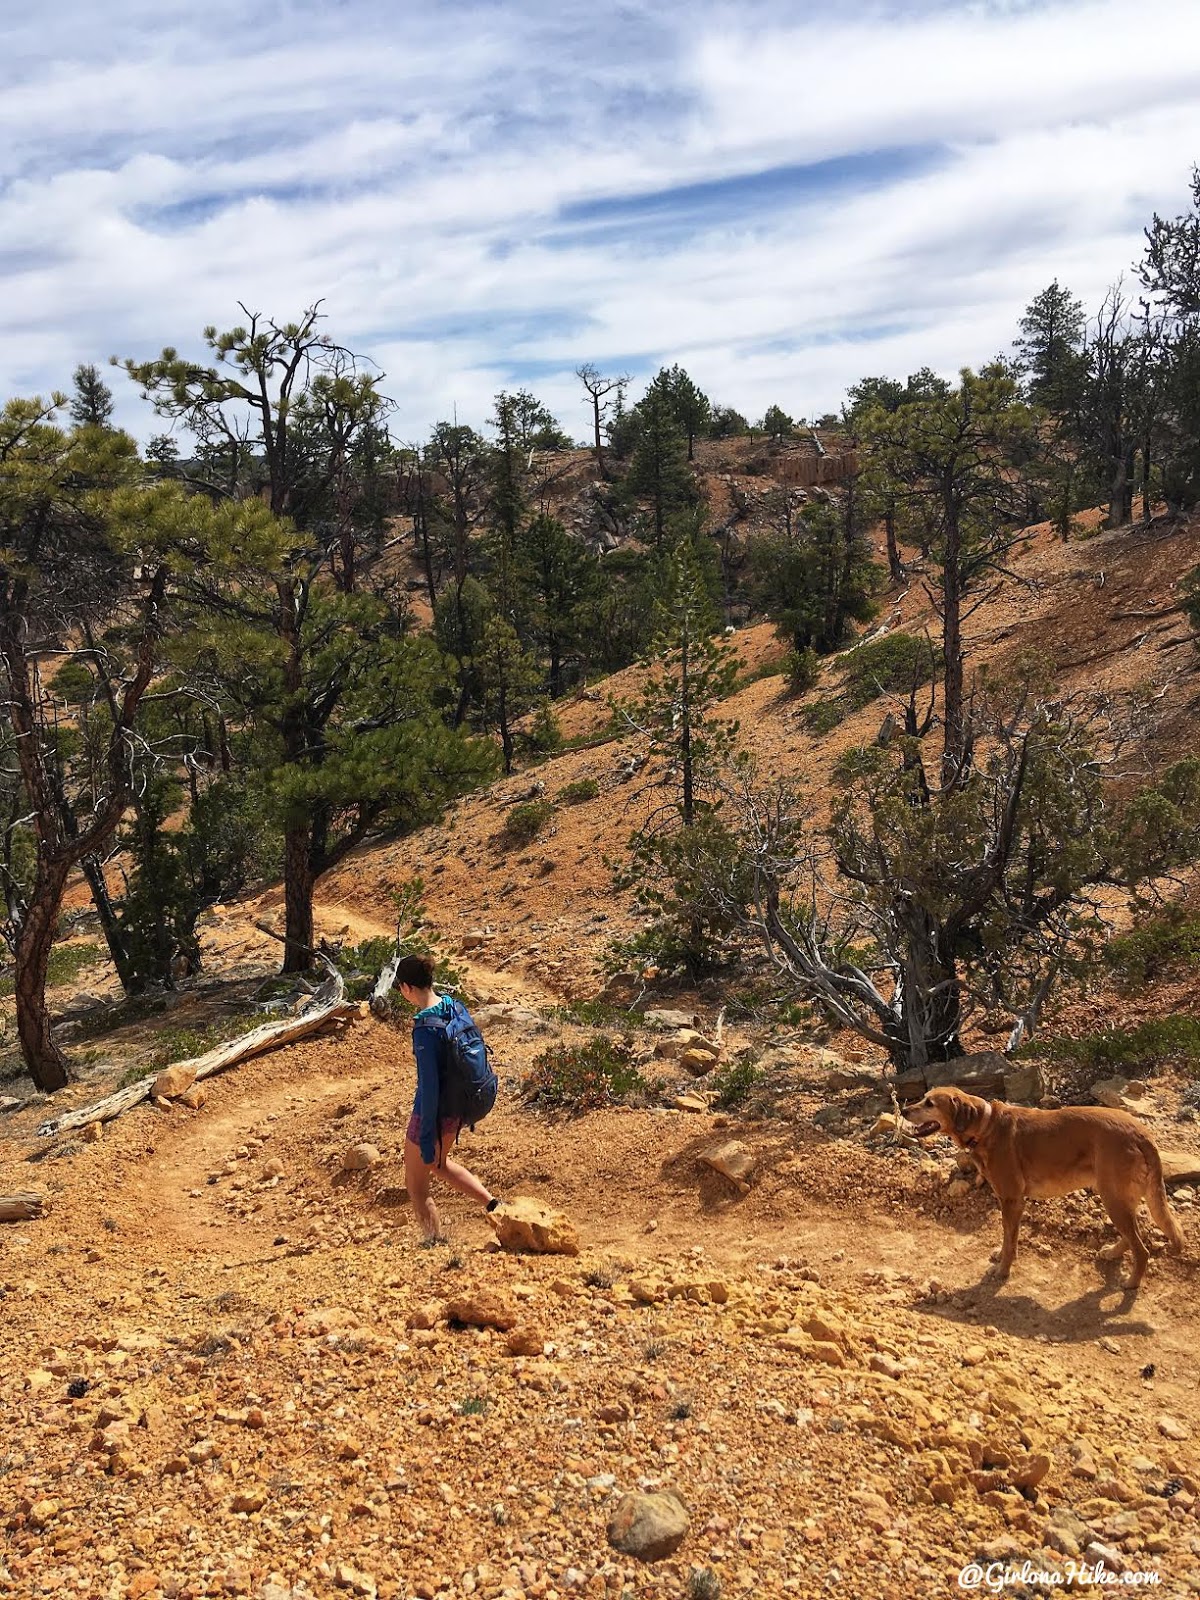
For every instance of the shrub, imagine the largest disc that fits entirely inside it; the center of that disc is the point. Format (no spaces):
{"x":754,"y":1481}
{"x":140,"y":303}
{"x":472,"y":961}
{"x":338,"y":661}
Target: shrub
{"x":693,"y":881}
{"x":1165,"y":942}
{"x":542,"y":735}
{"x":802,"y":669}
{"x":703,"y":1584}
{"x":732,"y":1083}
{"x":67,"y":961}
{"x":1129,"y":1051}
{"x":823,"y":716}
{"x":525,"y":821}
{"x":583,"y":1077}
{"x":574,"y":794}
{"x":896,"y":663}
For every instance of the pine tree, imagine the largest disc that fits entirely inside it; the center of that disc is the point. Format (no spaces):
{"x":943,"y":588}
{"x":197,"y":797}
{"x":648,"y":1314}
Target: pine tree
{"x":1050,"y":348}
{"x":509,"y":681}
{"x":658,"y":470}
{"x":92,"y":405}
{"x":691,"y":670}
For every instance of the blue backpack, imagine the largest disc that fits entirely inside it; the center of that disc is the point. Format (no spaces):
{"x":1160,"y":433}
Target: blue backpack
{"x":467,"y":1084}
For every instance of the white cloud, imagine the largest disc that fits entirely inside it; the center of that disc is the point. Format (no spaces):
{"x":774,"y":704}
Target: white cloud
{"x":461,"y":185}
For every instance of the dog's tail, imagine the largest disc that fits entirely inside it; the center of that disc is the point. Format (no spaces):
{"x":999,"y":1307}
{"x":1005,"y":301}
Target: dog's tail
{"x":1156,"y":1200}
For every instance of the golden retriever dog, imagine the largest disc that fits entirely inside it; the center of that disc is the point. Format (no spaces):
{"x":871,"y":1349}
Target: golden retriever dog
{"x":1037,"y":1155}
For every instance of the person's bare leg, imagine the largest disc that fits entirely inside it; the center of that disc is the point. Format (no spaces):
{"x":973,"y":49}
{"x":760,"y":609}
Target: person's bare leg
{"x":462,"y":1179}
{"x":416,"y":1178}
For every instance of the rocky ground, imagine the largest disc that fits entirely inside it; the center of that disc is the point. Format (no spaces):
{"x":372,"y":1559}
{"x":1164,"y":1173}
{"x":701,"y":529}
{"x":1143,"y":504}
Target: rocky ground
{"x":230,"y":1367}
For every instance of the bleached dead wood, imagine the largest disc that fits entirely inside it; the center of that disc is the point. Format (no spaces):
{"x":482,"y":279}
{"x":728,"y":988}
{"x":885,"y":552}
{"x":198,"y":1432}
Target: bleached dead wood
{"x":384,"y":983}
{"x":23,"y":1207}
{"x":327,"y":1004}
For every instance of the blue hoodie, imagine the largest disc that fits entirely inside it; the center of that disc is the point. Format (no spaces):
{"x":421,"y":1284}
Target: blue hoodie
{"x":428,"y":1045}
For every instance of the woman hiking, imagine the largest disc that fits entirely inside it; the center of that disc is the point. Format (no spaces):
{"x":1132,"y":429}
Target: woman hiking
{"x":455,"y":1086}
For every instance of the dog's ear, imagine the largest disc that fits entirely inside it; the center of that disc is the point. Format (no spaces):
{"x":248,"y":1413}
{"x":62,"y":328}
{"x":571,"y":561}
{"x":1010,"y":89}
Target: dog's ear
{"x":964,"y":1116}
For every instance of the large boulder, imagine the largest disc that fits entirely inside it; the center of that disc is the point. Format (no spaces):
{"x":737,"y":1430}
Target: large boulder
{"x":483,"y":1309}
{"x":529,"y":1226}
{"x":649,"y":1527}
{"x":987,"y":1073}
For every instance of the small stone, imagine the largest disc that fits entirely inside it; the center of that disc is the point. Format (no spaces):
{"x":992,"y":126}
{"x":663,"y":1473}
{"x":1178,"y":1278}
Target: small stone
{"x":361,"y":1158}
{"x":698,"y":1062}
{"x":689,"y":1102}
{"x":194,"y":1097}
{"x":426,"y":1316}
{"x":649,"y":1527}
{"x":523,"y":1341}
{"x":248,"y":1500}
{"x":324,"y":1320}
{"x":1172,"y":1428}
{"x":732,"y":1160}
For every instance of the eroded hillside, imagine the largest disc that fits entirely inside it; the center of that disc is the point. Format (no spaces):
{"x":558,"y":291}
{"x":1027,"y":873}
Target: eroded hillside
{"x":231,"y":1369}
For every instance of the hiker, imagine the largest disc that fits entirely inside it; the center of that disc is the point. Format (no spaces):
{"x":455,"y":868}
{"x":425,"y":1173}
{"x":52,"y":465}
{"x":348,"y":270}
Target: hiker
{"x":455,"y":1087}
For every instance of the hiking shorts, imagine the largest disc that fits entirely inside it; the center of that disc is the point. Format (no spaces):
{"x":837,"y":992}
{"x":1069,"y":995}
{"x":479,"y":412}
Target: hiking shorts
{"x":449,"y":1129}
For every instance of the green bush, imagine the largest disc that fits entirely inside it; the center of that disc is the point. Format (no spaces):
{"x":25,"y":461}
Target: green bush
{"x":583,"y":1077}
{"x":1128,"y":1051}
{"x":598,"y":1014}
{"x":894,"y":664}
{"x":525,"y":821}
{"x":823,"y":716}
{"x":732,"y":1083}
{"x":691,"y":882}
{"x":802,"y":668}
{"x":1162,"y":944}
{"x":582,"y":789}
{"x":67,"y":961}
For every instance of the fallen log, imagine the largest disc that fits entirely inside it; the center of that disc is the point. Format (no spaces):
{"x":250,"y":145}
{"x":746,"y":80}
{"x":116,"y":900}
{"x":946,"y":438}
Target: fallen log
{"x":327,"y":1004}
{"x":23,"y":1207}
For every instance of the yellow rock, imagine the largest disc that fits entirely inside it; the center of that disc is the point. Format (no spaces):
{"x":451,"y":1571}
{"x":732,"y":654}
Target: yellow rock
{"x":173,"y":1081}
{"x":527,"y":1225}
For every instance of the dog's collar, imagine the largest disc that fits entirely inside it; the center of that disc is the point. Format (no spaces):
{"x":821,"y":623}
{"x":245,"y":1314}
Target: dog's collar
{"x":969,"y":1144}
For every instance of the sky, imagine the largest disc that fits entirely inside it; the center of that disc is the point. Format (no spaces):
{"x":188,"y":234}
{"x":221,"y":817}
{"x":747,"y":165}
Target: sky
{"x":781,"y":196}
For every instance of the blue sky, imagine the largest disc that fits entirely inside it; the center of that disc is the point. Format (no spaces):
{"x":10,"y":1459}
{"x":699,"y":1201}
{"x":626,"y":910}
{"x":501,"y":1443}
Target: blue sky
{"x":783,"y":197}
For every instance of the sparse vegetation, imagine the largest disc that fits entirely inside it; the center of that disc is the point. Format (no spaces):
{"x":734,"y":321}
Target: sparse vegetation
{"x":823,"y":716}
{"x":475,"y":1405}
{"x":584,"y":1077}
{"x":733,"y":1083}
{"x":580,"y":790}
{"x":894,"y":664}
{"x":525,"y":821}
{"x":67,"y":961}
{"x":1162,"y":944}
{"x":802,"y":668}
{"x":1131,"y":1052}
